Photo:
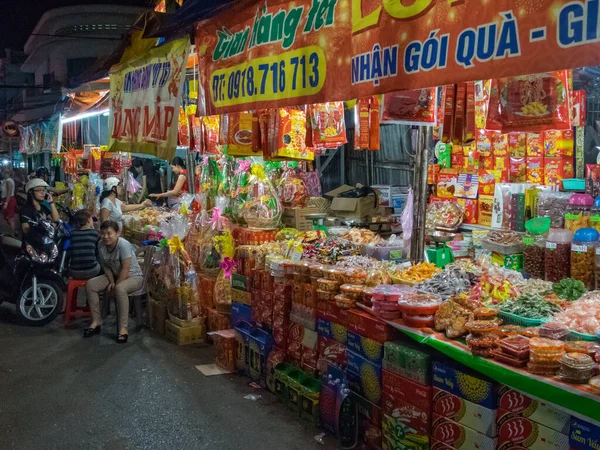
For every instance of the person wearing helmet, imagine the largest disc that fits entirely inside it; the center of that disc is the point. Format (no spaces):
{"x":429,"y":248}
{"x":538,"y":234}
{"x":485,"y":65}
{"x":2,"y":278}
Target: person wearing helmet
{"x":44,"y":174}
{"x":39,"y":204}
{"x":111,"y":208}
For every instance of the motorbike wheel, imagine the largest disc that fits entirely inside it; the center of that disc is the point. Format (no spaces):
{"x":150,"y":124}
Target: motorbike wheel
{"x":46,"y":307}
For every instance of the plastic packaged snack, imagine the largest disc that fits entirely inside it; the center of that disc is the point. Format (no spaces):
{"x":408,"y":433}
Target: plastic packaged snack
{"x":417,"y":321}
{"x":328,"y":285}
{"x":509,"y":330}
{"x":482,"y":326}
{"x":334,"y":273}
{"x":352,"y":291}
{"x":515,"y":346}
{"x":541,"y":345}
{"x":483,"y":352}
{"x":589,"y":348}
{"x":594,"y":384}
{"x":576,"y":368}
{"x":328,"y":125}
{"x":326,"y":296}
{"x":357,"y":275}
{"x":542,"y":370}
{"x":553,"y":205}
{"x":485,"y":313}
{"x":344,"y":302}
{"x":553,"y":331}
{"x":485,"y":340}
{"x":504,"y":358}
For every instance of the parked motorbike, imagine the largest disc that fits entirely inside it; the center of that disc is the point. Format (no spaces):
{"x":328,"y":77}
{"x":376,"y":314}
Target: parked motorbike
{"x":29,"y":272}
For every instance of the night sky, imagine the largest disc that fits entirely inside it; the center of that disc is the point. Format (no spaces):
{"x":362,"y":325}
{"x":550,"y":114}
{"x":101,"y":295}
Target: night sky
{"x":18,"y":17}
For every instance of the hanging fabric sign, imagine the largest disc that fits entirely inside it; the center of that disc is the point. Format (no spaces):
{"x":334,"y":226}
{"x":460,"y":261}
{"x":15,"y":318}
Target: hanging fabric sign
{"x":145,"y":96}
{"x":278,"y":53}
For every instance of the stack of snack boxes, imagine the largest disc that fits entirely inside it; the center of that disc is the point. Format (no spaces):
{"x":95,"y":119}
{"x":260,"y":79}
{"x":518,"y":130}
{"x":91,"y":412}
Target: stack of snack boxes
{"x":332,"y":331}
{"x":464,"y":409}
{"x":468,"y":174}
{"x":406,"y":398}
{"x":583,"y":435}
{"x":365,"y":337}
{"x":527,"y":423}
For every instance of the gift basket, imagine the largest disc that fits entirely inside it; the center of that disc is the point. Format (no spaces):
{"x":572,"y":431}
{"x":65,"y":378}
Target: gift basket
{"x":262,"y":208}
{"x":178,"y":274}
{"x":239,"y":190}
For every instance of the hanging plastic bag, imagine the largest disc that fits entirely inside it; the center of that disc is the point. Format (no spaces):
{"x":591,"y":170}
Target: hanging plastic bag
{"x":407,"y":223}
{"x":292,"y":189}
{"x":132,"y":185}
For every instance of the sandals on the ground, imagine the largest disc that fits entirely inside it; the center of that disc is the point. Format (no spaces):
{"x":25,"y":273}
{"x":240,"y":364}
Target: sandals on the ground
{"x":89,"y":332}
{"x":122,"y":339}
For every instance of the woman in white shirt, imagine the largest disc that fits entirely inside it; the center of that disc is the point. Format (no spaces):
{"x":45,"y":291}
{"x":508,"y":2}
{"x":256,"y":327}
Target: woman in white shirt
{"x":111,"y":208}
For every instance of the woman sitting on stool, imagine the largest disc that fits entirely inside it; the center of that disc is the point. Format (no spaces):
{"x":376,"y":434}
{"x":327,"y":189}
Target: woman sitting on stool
{"x":122,"y":276}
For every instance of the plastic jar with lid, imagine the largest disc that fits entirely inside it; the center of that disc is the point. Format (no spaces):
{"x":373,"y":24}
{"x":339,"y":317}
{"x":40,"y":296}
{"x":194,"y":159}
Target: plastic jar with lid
{"x":578,"y":212}
{"x":534,"y":253}
{"x":583,"y":256}
{"x":558,"y":254}
{"x":595,"y":217}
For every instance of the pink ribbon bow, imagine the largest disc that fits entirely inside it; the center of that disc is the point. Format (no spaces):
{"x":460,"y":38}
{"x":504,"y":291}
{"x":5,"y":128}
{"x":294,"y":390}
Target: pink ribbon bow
{"x":228,"y":265}
{"x":217,"y":220}
{"x":243,"y":166}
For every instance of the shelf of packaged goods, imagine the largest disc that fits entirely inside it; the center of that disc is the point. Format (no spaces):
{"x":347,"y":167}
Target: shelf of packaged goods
{"x":573,"y":399}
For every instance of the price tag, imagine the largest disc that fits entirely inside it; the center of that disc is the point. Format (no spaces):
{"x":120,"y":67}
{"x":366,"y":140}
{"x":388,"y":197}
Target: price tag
{"x":579,"y":248}
{"x":528,"y":241}
{"x":551,"y":245}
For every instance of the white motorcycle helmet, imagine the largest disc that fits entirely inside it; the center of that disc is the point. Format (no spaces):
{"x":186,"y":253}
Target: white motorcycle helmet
{"x":110,"y":183}
{"x":35,"y":183}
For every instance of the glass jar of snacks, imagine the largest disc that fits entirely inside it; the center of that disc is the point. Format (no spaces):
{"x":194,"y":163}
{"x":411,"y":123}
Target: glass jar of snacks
{"x":557,"y":259}
{"x":583,"y":256}
{"x":578,"y":212}
{"x":535,"y":242}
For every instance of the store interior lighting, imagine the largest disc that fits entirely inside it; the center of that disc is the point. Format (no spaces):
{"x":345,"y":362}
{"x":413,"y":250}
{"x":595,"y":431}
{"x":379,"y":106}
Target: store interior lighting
{"x":103,"y":112}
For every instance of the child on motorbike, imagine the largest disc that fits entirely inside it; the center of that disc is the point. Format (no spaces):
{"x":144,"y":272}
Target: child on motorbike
{"x":83,"y":251}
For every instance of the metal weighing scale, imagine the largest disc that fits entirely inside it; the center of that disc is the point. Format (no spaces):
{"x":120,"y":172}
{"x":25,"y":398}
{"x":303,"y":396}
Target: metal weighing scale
{"x":440,"y":254}
{"x":317,"y":220}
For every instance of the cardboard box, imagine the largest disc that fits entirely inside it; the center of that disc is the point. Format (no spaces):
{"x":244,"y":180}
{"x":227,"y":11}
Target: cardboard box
{"x":239,"y":282}
{"x":446,"y":185}
{"x":499,"y":144}
{"x":517,"y":144}
{"x":369,"y":326}
{"x":464,"y":412}
{"x":408,"y":361}
{"x":403,"y":434}
{"x":296,"y":218}
{"x":486,"y":206}
{"x":404,"y":444}
{"x":469,"y":207}
{"x":543,"y":413}
{"x":434,"y":444}
{"x":365,"y":347}
{"x":406,"y":390}
{"x":459,"y":436}
{"x":535,"y":145}
{"x":535,"y":170}
{"x":385,"y":193}
{"x":364,"y":378}
{"x":242,"y":297}
{"x":518,"y":170}
{"x":332,"y":330}
{"x":331,"y":312}
{"x":487,"y":181}
{"x":240,"y":312}
{"x":558,"y":143}
{"x":515,"y":431}
{"x":583,"y":435}
{"x":352,"y":208}
{"x":407,"y":415}
{"x":467,"y":185}
{"x":470,"y":386}
{"x":185,"y":335}
{"x":557,"y":169}
{"x":332,"y":351}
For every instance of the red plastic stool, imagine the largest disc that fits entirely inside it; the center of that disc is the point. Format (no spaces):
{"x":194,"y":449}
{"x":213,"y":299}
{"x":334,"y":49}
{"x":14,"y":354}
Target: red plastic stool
{"x":72,"y":310}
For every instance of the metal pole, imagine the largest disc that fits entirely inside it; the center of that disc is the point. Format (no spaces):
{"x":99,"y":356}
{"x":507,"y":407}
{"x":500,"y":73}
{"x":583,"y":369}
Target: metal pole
{"x":417,"y":248}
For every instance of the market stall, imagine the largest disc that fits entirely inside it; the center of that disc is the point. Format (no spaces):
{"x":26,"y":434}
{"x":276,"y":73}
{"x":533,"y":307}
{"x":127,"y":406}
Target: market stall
{"x":309,"y":293}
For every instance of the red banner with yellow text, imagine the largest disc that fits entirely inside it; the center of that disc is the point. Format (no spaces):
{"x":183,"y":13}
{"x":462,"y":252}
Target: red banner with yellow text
{"x":277,"y":53}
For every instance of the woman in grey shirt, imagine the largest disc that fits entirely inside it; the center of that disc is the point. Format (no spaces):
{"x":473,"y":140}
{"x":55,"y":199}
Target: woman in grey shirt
{"x":122,"y":276}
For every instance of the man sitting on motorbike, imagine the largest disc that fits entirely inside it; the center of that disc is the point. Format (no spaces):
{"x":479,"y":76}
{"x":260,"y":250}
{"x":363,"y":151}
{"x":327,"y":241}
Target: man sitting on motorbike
{"x":39,"y":204}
